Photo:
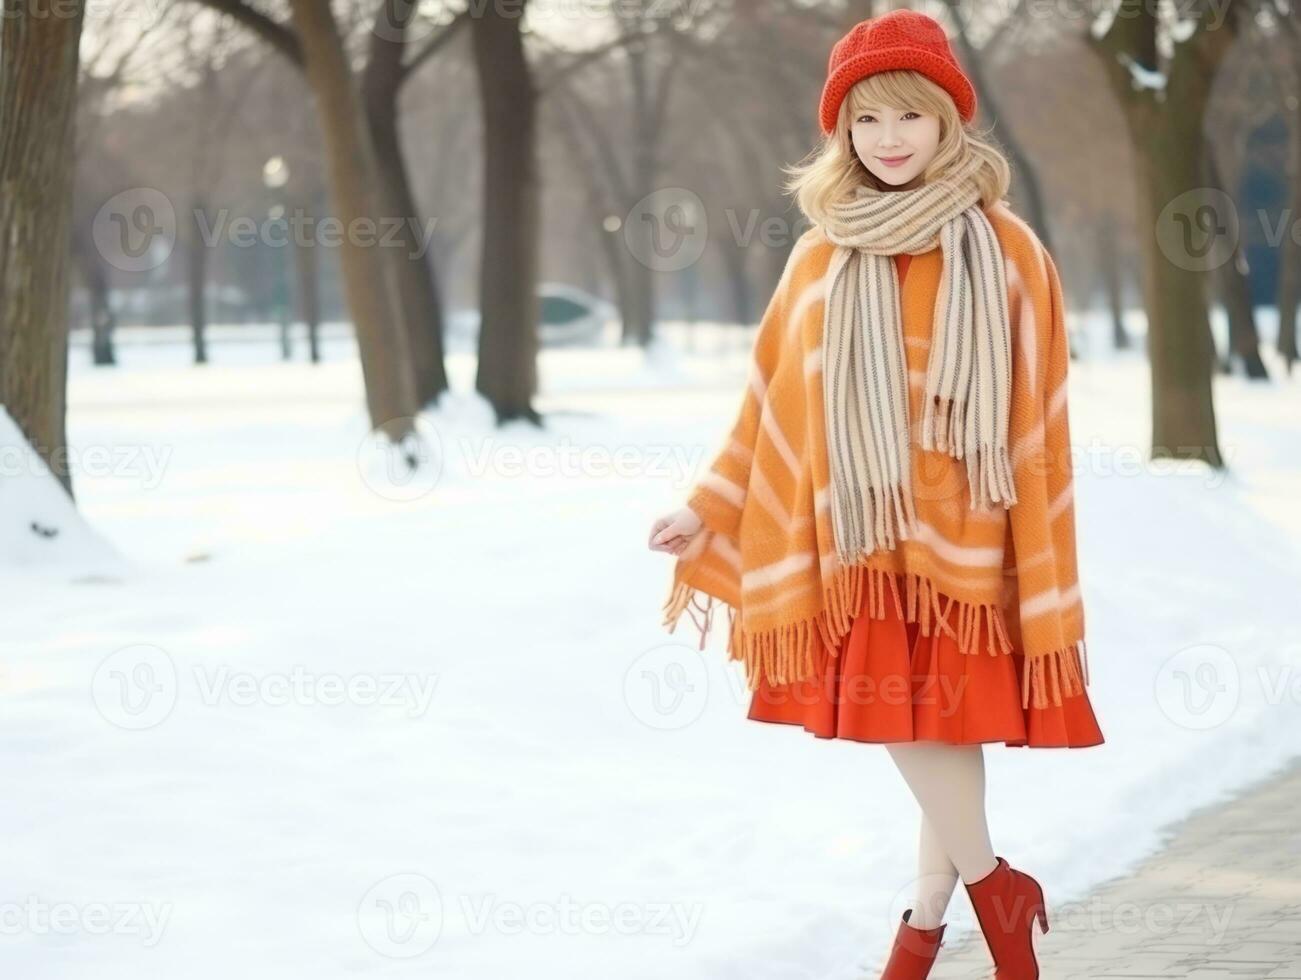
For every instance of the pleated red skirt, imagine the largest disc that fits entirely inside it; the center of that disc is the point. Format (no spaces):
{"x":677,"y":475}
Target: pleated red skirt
{"x":890,"y":683}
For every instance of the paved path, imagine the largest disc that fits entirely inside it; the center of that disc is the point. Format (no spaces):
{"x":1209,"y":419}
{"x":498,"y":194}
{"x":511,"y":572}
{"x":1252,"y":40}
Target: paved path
{"x":1222,"y":901}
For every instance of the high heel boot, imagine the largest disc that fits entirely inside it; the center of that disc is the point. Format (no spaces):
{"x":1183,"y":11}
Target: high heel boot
{"x":914,"y":951}
{"x":1006,"y":903}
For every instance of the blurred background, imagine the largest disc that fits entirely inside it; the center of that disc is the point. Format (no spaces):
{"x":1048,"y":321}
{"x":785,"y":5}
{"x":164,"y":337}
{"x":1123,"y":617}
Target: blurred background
{"x":349,"y":348}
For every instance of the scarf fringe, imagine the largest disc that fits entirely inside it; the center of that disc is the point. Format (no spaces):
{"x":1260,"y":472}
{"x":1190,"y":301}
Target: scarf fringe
{"x":891,"y":517}
{"x":787,"y":653}
{"x":941,"y":418}
{"x":989,"y":467}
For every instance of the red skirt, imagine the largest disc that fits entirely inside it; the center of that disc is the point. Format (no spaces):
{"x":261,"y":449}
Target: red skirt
{"x":890,"y":683}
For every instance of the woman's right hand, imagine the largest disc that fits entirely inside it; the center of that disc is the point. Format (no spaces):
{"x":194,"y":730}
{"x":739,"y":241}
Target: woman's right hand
{"x":673,"y":532}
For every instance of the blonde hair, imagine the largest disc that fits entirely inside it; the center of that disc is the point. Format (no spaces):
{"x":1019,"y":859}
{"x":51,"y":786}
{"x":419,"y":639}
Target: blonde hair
{"x":832,"y":170}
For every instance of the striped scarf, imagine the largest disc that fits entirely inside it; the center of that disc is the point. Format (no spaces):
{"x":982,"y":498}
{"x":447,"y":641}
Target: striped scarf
{"x":969,"y":370}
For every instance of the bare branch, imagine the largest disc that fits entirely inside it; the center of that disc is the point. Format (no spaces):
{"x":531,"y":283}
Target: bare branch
{"x":436,"y":43}
{"x":586,"y":58}
{"x":279,"y":36}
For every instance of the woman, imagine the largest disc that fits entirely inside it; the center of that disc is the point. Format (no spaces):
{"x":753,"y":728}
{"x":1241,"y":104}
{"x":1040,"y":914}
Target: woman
{"x":890,"y":523}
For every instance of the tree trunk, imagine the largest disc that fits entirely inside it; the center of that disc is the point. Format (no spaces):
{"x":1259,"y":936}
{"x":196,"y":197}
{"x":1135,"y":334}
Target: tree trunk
{"x":734,"y":258}
{"x":417,"y":287}
{"x":1233,"y":279}
{"x":368,"y":280}
{"x":508,"y":303}
{"x":1289,"y":282}
{"x":646,"y":116}
{"x":306,"y":265}
{"x":1166,"y":133}
{"x":606,"y":192}
{"x":197,"y":266}
{"x":1112,"y":287}
{"x":1235,"y":293}
{"x":1180,"y":347}
{"x":38,"y":89}
{"x":640,"y":306}
{"x":1289,"y":259}
{"x":417,"y":292}
{"x":94,"y":278}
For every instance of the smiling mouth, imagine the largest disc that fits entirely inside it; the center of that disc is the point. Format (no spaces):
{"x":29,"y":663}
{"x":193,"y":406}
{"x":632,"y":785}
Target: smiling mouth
{"x":893,"y":161}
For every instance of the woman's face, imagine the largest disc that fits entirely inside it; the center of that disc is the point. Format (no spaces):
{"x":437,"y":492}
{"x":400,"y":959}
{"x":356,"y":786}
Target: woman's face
{"x":895,"y":144}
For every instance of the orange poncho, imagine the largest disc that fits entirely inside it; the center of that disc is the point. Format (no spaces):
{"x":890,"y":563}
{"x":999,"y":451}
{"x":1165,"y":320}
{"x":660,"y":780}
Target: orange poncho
{"x":767,"y":551}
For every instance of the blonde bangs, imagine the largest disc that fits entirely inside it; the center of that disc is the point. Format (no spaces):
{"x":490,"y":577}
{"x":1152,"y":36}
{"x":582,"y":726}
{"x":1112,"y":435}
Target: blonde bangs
{"x":832,"y":171}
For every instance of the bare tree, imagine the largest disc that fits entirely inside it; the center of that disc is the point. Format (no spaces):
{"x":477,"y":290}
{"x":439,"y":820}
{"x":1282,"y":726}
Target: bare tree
{"x":1108,"y":260}
{"x":106,"y":65}
{"x":38,"y":87}
{"x":1164,"y":102}
{"x":508,"y":303}
{"x":1233,"y":284}
{"x":974,"y":59}
{"x":313,"y":42}
{"x":214,"y":110}
{"x":1289,"y":284}
{"x":381,"y":84}
{"x":622,"y":128}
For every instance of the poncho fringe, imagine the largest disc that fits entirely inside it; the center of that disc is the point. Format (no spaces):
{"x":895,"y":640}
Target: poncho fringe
{"x":787,"y":654}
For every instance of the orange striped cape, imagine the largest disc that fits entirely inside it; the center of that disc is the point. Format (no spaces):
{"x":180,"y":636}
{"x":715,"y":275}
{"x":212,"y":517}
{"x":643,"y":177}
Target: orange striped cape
{"x":767,"y":550}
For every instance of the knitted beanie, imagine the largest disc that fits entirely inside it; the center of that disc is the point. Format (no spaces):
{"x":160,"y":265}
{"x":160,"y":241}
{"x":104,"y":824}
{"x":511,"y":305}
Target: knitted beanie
{"x":900,"y":39}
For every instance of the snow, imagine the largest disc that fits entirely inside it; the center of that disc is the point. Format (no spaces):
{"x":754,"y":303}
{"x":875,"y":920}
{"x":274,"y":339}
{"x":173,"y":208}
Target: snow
{"x":327,"y":719}
{"x":40,"y":525}
{"x":1181,"y":29}
{"x":1142,"y":77}
{"x":1100,"y":24}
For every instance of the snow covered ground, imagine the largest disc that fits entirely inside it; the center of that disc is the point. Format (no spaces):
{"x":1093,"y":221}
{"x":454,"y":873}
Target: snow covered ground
{"x":275,"y":711}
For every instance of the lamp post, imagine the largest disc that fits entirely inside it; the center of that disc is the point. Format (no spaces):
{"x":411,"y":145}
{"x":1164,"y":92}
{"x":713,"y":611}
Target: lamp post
{"x":275,"y":175}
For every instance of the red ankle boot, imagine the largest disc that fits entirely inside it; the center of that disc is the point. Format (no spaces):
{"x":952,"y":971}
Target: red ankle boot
{"x":1007,"y":902}
{"x":914,"y":951}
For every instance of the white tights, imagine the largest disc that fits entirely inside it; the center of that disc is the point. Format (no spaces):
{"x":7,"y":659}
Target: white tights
{"x":949,"y":784}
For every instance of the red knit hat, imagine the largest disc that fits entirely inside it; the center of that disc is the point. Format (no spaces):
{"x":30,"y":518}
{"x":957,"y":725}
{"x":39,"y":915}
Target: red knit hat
{"x":897,"y":40}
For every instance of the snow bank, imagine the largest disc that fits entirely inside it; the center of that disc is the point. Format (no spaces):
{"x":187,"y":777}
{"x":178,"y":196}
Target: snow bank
{"x":39,"y":525}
